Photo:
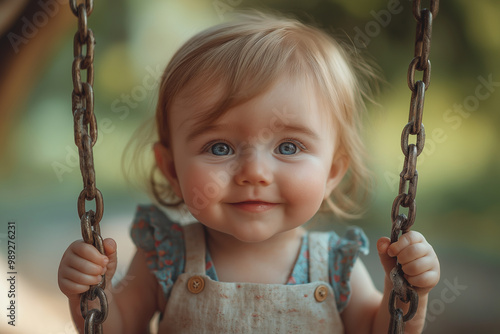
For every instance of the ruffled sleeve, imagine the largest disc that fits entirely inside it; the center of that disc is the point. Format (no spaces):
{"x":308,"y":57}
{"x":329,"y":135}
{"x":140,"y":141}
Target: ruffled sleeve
{"x":163,"y":243}
{"x":343,"y":254}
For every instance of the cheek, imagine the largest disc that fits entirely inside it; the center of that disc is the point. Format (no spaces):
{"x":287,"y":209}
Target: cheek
{"x":200,"y":185}
{"x":306,"y":187}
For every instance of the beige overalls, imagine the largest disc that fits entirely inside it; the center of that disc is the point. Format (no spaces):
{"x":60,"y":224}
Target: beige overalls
{"x":198,"y":304}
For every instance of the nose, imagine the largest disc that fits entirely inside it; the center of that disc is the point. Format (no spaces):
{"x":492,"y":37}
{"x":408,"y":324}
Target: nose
{"x":255,"y":169}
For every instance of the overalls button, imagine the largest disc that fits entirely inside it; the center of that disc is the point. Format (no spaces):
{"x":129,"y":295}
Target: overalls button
{"x":196,"y":284}
{"x":321,"y":293}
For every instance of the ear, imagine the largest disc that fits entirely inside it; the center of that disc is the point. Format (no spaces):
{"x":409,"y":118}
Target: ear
{"x":337,"y":172}
{"x":165,"y":162}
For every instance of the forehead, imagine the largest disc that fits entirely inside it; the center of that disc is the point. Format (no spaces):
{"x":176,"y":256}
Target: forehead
{"x":294,"y":103}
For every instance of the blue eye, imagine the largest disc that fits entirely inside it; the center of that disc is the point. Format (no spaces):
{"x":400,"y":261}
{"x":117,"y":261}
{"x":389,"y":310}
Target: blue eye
{"x":221,"y":149}
{"x":287,"y":148}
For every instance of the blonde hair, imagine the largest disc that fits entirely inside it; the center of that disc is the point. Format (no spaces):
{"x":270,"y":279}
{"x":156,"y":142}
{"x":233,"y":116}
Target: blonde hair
{"x":246,"y":56}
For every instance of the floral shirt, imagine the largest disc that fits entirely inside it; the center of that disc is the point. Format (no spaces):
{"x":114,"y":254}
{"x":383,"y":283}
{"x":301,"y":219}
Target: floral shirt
{"x":163,"y":243}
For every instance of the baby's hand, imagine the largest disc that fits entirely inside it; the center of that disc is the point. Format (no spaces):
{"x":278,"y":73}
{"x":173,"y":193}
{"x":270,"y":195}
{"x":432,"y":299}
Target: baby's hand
{"x":82,"y":265}
{"x":416,"y":256}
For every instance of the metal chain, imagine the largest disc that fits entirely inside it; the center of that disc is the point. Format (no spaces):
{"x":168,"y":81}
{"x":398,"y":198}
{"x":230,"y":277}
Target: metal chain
{"x":402,"y":223}
{"x":85,"y":125}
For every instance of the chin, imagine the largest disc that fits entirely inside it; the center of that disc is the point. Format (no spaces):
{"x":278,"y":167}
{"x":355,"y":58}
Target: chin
{"x":254,"y":234}
{"x":249,"y":234}
{"x":251,"y":238}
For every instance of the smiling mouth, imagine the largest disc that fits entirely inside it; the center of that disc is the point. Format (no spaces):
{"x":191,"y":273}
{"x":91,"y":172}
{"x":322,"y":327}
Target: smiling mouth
{"x":254,"y":206}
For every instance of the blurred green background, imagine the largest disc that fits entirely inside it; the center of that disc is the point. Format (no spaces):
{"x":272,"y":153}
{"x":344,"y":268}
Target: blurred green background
{"x":40,"y":177}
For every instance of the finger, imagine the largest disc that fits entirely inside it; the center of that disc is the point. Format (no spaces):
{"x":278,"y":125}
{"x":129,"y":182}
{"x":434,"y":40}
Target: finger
{"x":80,"y":278}
{"x":426,"y":280}
{"x":383,"y":244}
{"x":72,"y":289}
{"x":85,"y":266}
{"x":418,"y":266}
{"x":413,"y":252}
{"x":404,"y":241}
{"x":89,"y":253}
{"x":110,"y":250}
{"x":387,"y":261}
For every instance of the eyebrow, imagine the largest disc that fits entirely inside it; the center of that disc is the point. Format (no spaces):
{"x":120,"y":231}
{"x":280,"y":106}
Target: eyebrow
{"x":207,"y":128}
{"x":301,"y":130}
{"x":202,"y":129}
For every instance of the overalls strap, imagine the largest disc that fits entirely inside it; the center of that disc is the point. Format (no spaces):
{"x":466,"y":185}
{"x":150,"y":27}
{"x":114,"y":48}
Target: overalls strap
{"x":194,"y":237}
{"x":318,"y":257}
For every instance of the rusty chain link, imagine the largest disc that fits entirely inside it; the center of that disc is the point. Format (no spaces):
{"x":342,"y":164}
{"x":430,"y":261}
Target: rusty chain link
{"x":402,"y":223}
{"x":85,"y":126}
